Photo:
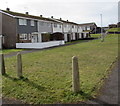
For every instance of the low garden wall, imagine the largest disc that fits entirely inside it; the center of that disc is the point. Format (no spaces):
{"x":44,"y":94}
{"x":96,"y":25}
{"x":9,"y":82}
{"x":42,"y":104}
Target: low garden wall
{"x":39,"y":45}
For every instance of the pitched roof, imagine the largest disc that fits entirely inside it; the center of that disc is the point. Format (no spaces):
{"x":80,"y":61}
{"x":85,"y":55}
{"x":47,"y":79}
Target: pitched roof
{"x":92,"y":23}
{"x":67,"y":22}
{"x":27,"y":15}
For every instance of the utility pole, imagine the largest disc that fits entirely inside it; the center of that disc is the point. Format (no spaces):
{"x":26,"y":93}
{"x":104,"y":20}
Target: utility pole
{"x":102,"y":37}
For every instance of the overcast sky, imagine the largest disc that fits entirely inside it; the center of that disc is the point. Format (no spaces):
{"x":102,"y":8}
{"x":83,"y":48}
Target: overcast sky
{"x":79,"y":11}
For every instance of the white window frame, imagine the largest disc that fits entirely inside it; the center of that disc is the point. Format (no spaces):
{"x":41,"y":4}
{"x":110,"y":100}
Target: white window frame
{"x":23,"y":36}
{"x":22,"y":22}
{"x":32,"y":22}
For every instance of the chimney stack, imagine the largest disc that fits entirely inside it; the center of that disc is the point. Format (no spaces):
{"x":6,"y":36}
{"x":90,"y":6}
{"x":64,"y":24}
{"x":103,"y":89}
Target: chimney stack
{"x":40,"y":15}
{"x":67,"y":20}
{"x":60,"y":18}
{"x":51,"y":16}
{"x":8,"y":9}
{"x":27,"y":13}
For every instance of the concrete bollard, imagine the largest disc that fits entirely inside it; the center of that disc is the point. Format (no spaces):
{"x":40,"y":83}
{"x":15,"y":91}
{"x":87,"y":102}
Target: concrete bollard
{"x":2,"y":64}
{"x":1,"y":42}
{"x":75,"y":75}
{"x":19,"y":65}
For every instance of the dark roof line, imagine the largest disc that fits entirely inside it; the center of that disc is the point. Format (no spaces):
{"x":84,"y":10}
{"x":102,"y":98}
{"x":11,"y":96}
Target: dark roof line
{"x":67,"y":21}
{"x":87,"y":23}
{"x":27,"y":15}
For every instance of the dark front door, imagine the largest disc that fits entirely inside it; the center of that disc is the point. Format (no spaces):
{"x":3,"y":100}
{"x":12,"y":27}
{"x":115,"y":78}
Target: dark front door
{"x":68,"y":38}
{"x":82,"y":36}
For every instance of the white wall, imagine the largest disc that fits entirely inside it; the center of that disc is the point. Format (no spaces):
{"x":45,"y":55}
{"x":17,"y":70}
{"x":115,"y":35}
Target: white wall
{"x":67,"y":28}
{"x":75,"y":29}
{"x":65,"y":37}
{"x":57,"y":29}
{"x":39,"y":45}
{"x":79,"y":29}
{"x":73,"y":36}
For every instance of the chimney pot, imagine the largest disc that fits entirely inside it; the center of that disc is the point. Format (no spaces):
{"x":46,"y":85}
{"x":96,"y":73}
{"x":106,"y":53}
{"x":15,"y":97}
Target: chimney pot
{"x":27,"y":13}
{"x":8,"y":9}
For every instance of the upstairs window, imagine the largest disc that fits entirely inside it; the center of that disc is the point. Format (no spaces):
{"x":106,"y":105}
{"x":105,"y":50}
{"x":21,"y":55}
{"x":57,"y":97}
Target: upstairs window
{"x":59,"y":26}
{"x":55,"y":25}
{"x":32,"y":23}
{"x":65,"y":25}
{"x":22,"y":22}
{"x":48,"y":24}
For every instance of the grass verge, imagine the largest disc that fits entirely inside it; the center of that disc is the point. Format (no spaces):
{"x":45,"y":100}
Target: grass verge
{"x":95,"y":35}
{"x":48,"y":73}
{"x":7,"y":51}
{"x":114,"y":30}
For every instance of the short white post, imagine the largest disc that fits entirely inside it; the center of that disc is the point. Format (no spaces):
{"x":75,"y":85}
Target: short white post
{"x":75,"y":75}
{"x":19,"y":65}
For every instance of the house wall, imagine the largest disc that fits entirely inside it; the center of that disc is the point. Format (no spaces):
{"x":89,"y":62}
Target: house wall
{"x":57,"y":29}
{"x":44,"y":27}
{"x":88,"y":27}
{"x":0,"y":23}
{"x":79,"y":29}
{"x":66,"y":28}
{"x":26,"y":28}
{"x":9,"y":31}
{"x":74,"y":29}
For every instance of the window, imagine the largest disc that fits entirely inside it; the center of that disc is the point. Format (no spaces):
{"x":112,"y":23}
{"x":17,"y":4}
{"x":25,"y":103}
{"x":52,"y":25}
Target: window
{"x":72,"y":26}
{"x":59,"y":26}
{"x":48,"y":24}
{"x":55,"y":25}
{"x":23,"y":36}
{"x":32,"y":23}
{"x":65,"y":25}
{"x":22,"y":22}
{"x":41,"y":23}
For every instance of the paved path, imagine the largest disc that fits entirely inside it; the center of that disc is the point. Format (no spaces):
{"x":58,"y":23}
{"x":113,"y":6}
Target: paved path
{"x":109,"y":92}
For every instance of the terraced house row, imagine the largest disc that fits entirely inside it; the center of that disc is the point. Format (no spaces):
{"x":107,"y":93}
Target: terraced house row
{"x":19,"y":28}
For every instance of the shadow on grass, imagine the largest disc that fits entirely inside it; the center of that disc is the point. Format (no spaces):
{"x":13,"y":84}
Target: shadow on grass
{"x":31,"y":83}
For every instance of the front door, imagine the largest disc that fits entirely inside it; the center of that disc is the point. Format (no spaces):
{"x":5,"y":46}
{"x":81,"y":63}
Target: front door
{"x":34,"y":38}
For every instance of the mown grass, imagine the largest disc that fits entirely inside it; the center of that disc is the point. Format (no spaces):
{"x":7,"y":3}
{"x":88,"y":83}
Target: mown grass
{"x":48,"y":73}
{"x":114,"y":30}
{"x":76,"y":41}
{"x":95,"y":35}
{"x":7,"y":51}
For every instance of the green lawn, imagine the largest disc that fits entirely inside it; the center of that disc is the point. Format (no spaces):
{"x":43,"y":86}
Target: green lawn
{"x":76,"y":41}
{"x":114,"y":30}
{"x":7,"y":51}
{"x":48,"y":73}
{"x":95,"y":35}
